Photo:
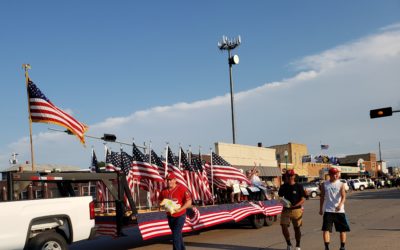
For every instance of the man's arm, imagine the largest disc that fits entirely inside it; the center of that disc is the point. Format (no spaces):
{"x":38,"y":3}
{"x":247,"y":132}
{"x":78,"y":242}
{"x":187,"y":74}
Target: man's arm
{"x":187,"y":204}
{"x":343,"y":198}
{"x":321,"y":199}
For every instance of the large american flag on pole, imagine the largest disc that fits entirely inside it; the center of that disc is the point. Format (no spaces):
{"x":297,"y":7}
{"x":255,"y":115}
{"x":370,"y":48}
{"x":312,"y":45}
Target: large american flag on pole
{"x":43,"y":110}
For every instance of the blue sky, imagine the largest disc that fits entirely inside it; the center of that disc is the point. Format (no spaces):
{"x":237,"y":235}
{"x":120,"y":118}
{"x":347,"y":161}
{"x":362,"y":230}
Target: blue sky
{"x":102,"y":60}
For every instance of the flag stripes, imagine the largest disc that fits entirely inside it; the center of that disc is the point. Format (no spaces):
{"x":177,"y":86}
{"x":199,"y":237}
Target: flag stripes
{"x":222,"y":170}
{"x":172,"y":167}
{"x":43,"y":110}
{"x":155,"y":224}
{"x":142,"y":169}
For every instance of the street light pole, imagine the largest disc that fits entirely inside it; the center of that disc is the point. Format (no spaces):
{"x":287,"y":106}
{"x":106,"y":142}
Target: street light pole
{"x":286,"y":158}
{"x":229,"y":45}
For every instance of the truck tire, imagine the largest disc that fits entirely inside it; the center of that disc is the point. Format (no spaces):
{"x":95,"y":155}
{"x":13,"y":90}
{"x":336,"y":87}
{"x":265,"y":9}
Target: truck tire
{"x":48,"y":240}
{"x":313,"y":194}
{"x":257,"y":220}
{"x":269,"y":220}
{"x":361,"y":188}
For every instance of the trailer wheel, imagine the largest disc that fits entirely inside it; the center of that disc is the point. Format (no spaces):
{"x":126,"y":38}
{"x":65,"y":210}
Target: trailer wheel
{"x":269,"y":220}
{"x":257,"y":220}
{"x":48,"y":241}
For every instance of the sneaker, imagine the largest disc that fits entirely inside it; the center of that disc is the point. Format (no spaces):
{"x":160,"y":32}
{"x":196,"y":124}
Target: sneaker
{"x":297,"y":248}
{"x":289,"y":248}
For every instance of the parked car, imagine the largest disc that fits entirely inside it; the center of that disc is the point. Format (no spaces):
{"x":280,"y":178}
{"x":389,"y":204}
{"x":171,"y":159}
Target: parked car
{"x":311,"y":189}
{"x":346,"y":186}
{"x":360,"y":184}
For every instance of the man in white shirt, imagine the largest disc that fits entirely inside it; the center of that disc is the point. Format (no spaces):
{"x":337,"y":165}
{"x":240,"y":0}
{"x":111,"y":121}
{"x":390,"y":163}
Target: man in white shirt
{"x":333,"y":196}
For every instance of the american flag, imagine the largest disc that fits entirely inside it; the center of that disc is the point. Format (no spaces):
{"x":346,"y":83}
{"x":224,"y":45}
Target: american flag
{"x":106,"y":225}
{"x":154,"y":187}
{"x":191,"y":176}
{"x":113,"y":161}
{"x":223,"y":170}
{"x":101,"y":193}
{"x":204,"y":186}
{"x":93,"y":165}
{"x":157,"y":163}
{"x":126,"y":167}
{"x":172,"y":167}
{"x":142,"y":169}
{"x":155,"y":160}
{"x":219,"y":183}
{"x":100,"y":187}
{"x":43,"y":110}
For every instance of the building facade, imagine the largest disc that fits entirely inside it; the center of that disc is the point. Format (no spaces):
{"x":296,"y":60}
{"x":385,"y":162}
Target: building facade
{"x":247,"y":157}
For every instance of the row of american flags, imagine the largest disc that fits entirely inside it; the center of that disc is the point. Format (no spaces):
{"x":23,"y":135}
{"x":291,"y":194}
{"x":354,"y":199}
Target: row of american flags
{"x":148,"y":172}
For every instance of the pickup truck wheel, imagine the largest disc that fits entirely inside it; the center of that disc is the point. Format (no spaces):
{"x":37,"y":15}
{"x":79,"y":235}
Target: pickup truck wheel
{"x":257,"y":220}
{"x":361,"y":188}
{"x":48,"y":241}
{"x":313,"y":194}
{"x":269,"y":220}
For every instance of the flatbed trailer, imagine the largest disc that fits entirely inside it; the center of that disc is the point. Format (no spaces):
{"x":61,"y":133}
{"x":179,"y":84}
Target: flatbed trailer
{"x":151,"y":222}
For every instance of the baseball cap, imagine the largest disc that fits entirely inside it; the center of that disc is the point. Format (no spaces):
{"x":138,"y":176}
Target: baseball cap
{"x":334,"y":170}
{"x":290,"y":172}
{"x":171,"y":176}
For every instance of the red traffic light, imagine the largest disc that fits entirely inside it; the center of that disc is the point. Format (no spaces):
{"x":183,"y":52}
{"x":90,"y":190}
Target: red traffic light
{"x":382,"y":112}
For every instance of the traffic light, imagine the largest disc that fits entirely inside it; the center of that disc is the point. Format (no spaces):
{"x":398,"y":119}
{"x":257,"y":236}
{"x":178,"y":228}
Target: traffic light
{"x":109,"y":137}
{"x":382,"y":112}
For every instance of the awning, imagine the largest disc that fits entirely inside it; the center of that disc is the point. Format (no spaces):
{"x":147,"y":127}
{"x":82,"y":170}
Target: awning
{"x":264,"y":171}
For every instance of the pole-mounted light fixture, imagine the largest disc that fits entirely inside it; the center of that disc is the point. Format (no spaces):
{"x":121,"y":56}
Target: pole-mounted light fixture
{"x":230,"y":44}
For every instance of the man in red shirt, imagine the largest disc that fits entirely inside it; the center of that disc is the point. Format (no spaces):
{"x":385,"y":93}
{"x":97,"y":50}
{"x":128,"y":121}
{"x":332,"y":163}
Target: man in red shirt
{"x":181,"y":196}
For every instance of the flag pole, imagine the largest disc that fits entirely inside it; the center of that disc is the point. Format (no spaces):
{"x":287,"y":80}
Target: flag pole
{"x":212,"y":177}
{"x":26,"y":67}
{"x":179,"y":157}
{"x":166,"y":160}
{"x":150,"y":193}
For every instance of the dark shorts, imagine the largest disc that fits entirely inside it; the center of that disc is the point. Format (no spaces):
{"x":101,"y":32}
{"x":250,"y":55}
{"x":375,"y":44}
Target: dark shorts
{"x":337,"y":219}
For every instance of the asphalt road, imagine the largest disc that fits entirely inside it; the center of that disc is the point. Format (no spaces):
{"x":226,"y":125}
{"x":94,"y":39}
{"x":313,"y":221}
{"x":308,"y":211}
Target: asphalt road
{"x":374,"y":218}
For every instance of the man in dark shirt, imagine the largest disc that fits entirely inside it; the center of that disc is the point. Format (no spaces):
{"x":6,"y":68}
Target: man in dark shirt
{"x":295,"y":194}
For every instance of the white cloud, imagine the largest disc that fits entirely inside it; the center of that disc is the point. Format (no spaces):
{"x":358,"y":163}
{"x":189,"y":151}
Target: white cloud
{"x":328,"y":102}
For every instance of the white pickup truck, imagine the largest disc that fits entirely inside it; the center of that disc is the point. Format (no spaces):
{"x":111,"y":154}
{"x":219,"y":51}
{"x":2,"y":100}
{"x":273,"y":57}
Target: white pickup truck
{"x":46,"y":223}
